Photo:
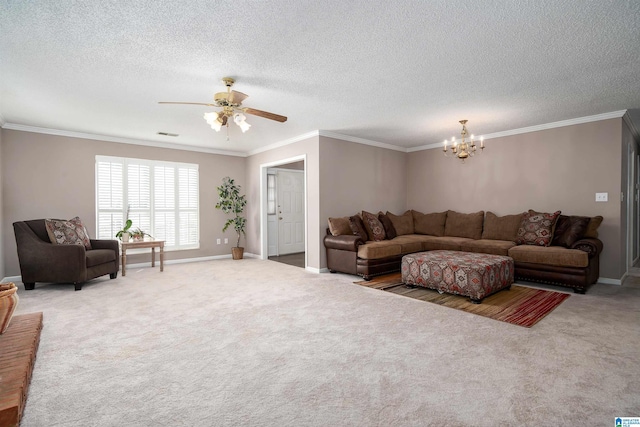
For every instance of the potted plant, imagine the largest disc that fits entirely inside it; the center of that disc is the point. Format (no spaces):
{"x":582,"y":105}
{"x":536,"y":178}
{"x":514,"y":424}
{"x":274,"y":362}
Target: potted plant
{"x":124,"y":233}
{"x":230,"y":201}
{"x":138,"y":235}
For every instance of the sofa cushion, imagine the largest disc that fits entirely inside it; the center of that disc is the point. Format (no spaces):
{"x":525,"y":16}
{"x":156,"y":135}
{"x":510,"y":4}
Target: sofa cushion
{"x":536,"y":228}
{"x":339,"y":226}
{"x":431,"y":224}
{"x":464,"y":225}
{"x":71,"y":232}
{"x":592,"y":228}
{"x":550,"y":255}
{"x":389,"y":229}
{"x":403,"y":224}
{"x":569,"y":229}
{"x":357,"y":227}
{"x":488,"y":246}
{"x":409,"y":243}
{"x":376,"y":250}
{"x":501,"y":227}
{"x":434,"y":243}
{"x":374,"y":227}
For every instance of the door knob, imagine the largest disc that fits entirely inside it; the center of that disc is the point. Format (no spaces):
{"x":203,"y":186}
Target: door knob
{"x":279,"y":217}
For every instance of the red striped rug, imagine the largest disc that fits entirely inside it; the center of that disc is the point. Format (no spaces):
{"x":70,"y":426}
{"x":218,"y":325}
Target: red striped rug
{"x":521,"y":305}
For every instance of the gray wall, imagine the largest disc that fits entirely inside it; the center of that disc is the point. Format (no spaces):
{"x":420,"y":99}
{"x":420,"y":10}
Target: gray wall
{"x":47,"y":176}
{"x":356,"y":177}
{"x":2,"y":235}
{"x":308,"y":147}
{"x":629,"y":150}
{"x":549,"y":170}
{"x":555,"y":169}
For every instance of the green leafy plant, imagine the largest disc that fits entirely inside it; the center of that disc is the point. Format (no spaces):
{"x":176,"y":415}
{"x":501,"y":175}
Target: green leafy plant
{"x":138,"y":234}
{"x":125,"y":229}
{"x":230,"y":201}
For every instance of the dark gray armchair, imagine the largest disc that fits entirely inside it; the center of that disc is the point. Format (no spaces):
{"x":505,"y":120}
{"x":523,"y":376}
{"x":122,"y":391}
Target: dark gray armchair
{"x":42,"y":261}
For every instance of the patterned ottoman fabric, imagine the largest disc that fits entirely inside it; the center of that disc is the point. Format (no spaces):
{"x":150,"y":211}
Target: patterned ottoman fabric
{"x":470,"y":274}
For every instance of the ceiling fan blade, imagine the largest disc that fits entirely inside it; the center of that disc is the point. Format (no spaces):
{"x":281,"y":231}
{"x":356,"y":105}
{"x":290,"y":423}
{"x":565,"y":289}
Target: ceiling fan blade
{"x":188,"y":103}
{"x":265,"y":114}
{"x":237,"y":97}
{"x":224,"y":120}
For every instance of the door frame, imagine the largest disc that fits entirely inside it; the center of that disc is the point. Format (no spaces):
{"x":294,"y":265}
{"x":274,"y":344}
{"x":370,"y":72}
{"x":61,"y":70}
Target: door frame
{"x":264,"y":242}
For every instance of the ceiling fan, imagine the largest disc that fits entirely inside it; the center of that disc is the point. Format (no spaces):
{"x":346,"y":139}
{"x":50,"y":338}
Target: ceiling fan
{"x":231,"y":104}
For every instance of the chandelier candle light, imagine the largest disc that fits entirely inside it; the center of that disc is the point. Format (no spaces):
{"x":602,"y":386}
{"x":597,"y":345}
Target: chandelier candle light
{"x":464,"y":149}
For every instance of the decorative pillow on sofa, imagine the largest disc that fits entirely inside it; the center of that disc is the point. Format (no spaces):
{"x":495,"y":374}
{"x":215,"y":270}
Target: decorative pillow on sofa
{"x":339,"y":226}
{"x":403,"y":224}
{"x":501,"y":227}
{"x":71,"y":232}
{"x":464,"y":225}
{"x":357,"y":227}
{"x":431,"y":224}
{"x":374,"y":227}
{"x":389,"y":229}
{"x":569,"y":229}
{"x":592,"y":228}
{"x":536,"y":228}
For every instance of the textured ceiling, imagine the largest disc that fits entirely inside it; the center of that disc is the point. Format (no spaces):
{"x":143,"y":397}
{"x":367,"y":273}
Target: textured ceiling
{"x":400,"y":72}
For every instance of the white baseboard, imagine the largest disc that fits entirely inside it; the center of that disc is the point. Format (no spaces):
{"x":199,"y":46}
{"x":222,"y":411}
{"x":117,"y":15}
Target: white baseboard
{"x":16,"y":279}
{"x":317,"y":270}
{"x":608,"y":281}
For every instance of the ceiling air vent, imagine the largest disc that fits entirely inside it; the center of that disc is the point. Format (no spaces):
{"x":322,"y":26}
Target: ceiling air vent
{"x":167,"y":134}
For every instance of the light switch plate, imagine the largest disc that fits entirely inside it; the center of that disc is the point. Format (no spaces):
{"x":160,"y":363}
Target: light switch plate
{"x":602,"y":197}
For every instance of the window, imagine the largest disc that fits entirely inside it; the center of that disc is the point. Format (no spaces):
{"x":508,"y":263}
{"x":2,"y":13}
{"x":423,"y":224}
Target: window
{"x":161,"y":198}
{"x":271,"y":194}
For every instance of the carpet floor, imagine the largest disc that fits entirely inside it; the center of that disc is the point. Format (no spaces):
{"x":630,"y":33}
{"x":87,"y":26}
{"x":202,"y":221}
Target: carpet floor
{"x":520,"y":305}
{"x":260,"y":343}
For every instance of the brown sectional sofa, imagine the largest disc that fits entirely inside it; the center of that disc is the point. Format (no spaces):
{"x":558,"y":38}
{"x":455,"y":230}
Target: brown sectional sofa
{"x":571,"y":258}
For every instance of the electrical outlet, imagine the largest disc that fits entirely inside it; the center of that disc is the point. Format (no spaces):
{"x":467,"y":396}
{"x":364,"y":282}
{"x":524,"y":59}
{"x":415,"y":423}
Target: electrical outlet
{"x":602,"y":197}
{"x":218,"y":241}
{"x":226,"y":240}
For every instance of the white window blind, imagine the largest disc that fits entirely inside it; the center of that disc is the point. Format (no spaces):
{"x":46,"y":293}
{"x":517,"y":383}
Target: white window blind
{"x":162,"y":199}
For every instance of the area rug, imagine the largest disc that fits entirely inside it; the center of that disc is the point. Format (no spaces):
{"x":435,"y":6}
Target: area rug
{"x":521,"y":305}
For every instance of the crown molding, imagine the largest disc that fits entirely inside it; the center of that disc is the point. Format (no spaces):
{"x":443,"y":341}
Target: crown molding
{"x":316,"y":133}
{"x":529,"y":129}
{"x":132,"y":141}
{"x":361,"y":141}
{"x":288,"y":141}
{"x":634,"y":130}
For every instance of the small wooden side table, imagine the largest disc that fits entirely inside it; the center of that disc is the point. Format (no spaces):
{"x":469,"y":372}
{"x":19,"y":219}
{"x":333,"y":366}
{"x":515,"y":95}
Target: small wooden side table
{"x":153,"y":244}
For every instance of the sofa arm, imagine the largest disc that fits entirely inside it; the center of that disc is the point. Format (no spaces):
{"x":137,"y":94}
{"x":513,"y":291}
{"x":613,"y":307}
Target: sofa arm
{"x":343,"y":243}
{"x":589,"y":245}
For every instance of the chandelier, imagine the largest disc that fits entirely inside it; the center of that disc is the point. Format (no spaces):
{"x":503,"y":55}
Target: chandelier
{"x":464,"y":149}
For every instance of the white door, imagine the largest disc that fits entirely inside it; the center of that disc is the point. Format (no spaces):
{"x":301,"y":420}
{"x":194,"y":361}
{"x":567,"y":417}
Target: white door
{"x":290,"y":209}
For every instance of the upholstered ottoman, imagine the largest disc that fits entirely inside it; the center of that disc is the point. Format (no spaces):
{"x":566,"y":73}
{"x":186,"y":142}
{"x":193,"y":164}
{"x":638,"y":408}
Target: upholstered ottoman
{"x":470,"y":274}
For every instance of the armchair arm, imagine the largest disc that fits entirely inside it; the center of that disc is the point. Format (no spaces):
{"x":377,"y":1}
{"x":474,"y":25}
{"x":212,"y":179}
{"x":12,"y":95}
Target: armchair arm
{"x":105,"y":244}
{"x":343,"y":243}
{"x":589,"y":245}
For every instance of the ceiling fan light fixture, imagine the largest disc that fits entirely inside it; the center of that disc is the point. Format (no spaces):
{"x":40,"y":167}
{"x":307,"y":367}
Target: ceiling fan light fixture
{"x":241,"y":121}
{"x":230,"y":103}
{"x":214,"y":120}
